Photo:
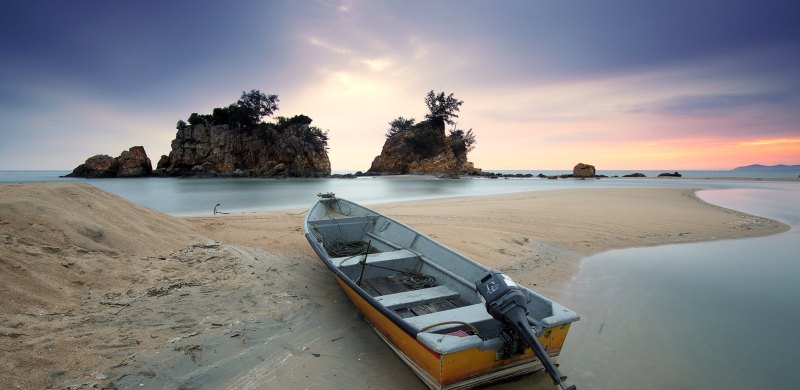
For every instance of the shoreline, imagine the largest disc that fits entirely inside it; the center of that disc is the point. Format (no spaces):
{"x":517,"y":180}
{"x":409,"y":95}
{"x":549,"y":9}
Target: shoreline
{"x":450,"y":219}
{"x":349,"y":175}
{"x":100,"y":291}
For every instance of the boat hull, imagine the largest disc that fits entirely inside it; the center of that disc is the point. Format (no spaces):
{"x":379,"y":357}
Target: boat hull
{"x":442,"y":360}
{"x":459,"y":370}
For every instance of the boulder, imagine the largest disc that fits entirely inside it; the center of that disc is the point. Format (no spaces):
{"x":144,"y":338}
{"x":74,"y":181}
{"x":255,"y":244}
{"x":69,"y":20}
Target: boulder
{"x":163,"y":162}
{"x":276,"y":170}
{"x":134,"y":163}
{"x":637,"y":174}
{"x":583,"y":170}
{"x":667,"y":174}
{"x":97,"y":166}
{"x":100,"y":165}
{"x":130,"y":163}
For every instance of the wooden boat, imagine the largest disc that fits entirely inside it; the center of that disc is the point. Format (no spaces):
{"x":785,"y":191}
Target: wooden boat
{"x":422,"y":300}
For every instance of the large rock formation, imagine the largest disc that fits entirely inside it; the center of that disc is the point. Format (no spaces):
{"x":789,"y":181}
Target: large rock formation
{"x":583,"y":170}
{"x":422,"y":149}
{"x":218,"y":150}
{"x":131,"y":163}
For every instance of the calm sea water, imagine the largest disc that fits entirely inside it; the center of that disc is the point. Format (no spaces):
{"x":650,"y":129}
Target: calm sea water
{"x":718,"y":315}
{"x":714,"y":315}
{"x":194,"y":196}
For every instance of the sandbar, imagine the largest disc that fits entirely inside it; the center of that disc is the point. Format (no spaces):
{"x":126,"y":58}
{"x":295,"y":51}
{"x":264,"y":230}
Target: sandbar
{"x":98,"y":291}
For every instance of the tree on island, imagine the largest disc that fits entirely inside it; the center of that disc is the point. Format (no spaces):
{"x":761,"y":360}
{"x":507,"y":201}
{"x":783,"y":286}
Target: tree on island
{"x":442,"y":106}
{"x":257,"y":105}
{"x":428,"y":138}
{"x":246,"y":113}
{"x":400,"y":125}
{"x":313,"y":137}
{"x":462,"y":142}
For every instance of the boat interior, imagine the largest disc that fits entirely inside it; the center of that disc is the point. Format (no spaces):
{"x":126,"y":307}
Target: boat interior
{"x":428,"y":285}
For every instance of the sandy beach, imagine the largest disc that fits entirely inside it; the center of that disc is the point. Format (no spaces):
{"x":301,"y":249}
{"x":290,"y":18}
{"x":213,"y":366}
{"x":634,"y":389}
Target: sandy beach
{"x":100,"y":292}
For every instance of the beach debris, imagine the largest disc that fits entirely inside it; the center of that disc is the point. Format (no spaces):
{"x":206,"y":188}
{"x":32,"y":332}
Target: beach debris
{"x":207,"y":245}
{"x":115,"y":303}
{"x":194,"y":351}
{"x":218,"y":212}
{"x":179,"y":338}
{"x":162,"y":291}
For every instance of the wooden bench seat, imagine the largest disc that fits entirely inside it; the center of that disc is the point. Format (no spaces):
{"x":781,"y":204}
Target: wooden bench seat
{"x":376,"y":258}
{"x":404,"y":300}
{"x":473,"y":314}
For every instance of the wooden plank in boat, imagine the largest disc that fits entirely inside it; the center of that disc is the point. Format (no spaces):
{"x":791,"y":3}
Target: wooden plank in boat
{"x":417,"y":297}
{"x":404,"y":313}
{"x":443,"y":305}
{"x":421,"y":310}
{"x":371,"y":291}
{"x":433,"y":307}
{"x":384,"y":285}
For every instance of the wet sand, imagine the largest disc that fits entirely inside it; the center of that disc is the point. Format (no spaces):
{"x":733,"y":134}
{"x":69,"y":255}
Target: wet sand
{"x":98,"y":291}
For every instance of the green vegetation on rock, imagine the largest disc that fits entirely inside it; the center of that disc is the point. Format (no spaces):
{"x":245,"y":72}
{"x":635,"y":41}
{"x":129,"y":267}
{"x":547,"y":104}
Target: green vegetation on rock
{"x":426,"y":147}
{"x":247,"y":113}
{"x":428,"y":138}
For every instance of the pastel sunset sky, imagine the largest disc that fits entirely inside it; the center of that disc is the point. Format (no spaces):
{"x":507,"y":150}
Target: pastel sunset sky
{"x":633,"y":84}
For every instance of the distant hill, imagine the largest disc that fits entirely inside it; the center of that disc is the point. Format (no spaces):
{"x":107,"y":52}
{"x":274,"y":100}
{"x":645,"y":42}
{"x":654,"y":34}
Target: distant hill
{"x":759,"y":167}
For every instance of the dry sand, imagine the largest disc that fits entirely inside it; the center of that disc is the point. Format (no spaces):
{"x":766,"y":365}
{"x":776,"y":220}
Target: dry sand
{"x":99,"y":292}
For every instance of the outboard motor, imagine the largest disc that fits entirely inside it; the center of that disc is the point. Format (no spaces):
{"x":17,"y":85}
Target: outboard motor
{"x":506,"y":302}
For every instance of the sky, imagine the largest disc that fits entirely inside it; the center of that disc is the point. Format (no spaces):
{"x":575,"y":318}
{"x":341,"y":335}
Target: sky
{"x":632,"y":84}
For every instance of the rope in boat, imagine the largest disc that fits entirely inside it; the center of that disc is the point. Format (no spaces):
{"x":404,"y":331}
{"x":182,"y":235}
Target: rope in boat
{"x":416,"y":280}
{"x":347,"y":248}
{"x":413,"y":279}
{"x":334,"y":203}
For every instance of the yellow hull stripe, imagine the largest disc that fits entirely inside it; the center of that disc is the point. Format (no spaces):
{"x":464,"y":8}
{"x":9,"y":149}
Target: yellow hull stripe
{"x":451,"y":368}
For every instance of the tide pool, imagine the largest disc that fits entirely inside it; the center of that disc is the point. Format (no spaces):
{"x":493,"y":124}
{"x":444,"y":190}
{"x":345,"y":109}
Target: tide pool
{"x":715,"y":315}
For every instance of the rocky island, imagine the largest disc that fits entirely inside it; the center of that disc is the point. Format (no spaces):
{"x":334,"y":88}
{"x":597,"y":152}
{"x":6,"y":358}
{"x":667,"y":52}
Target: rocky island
{"x":233,"y":141}
{"x":130,"y":163}
{"x":424,"y":148}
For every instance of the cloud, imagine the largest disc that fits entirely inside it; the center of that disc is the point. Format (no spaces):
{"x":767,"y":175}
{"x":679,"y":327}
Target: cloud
{"x":376,"y":64}
{"x":63,"y":126}
{"x":718,"y":103}
{"x":539,"y":79}
{"x":329,"y":47}
{"x":789,"y":142}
